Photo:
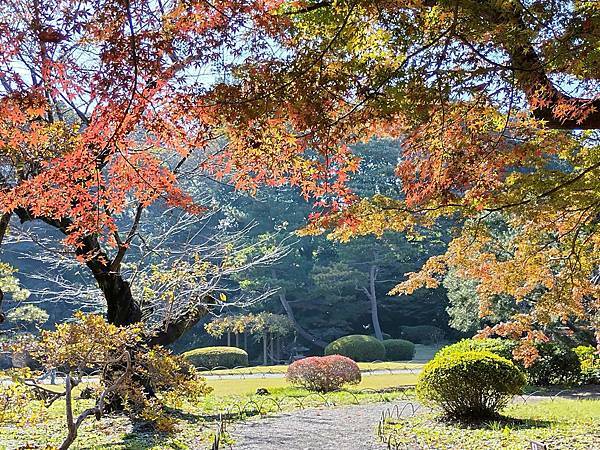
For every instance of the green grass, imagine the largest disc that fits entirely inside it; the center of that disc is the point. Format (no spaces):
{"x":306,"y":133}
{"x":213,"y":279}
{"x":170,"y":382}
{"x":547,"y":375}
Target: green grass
{"x":561,"y":424}
{"x":195,"y":422}
{"x":247,"y":386}
{"x":281,"y":369}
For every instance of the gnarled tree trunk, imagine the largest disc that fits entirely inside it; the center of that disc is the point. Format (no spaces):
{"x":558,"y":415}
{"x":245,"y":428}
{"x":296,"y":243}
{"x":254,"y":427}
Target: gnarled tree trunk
{"x":122,"y":309}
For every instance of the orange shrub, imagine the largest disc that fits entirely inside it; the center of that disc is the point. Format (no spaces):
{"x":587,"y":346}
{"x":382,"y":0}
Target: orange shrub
{"x":323,"y":373}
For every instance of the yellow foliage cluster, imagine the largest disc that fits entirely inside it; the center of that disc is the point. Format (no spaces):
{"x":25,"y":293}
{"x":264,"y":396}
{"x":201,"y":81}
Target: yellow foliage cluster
{"x":140,"y":377}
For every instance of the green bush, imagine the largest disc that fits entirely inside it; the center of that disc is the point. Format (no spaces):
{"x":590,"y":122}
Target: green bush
{"x":589,"y":360}
{"x":469,"y":385}
{"x":422,"y":334}
{"x":211,"y":357}
{"x":588,"y":356}
{"x":357,"y":347}
{"x":398,"y":350}
{"x":556,"y":364}
{"x":500,"y":347}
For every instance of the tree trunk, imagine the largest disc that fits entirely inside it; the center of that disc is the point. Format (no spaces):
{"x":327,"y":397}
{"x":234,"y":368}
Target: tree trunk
{"x":168,"y":333}
{"x":372,"y":294}
{"x":120,"y":304}
{"x":228,"y":339}
{"x":122,"y":309}
{"x":278,"y":347}
{"x":237,"y":340}
{"x":4,"y":220}
{"x":265,"y":338}
{"x":299,"y":329}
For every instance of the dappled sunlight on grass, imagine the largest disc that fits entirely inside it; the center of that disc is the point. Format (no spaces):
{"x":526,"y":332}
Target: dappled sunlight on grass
{"x":195,"y":421}
{"x":559,"y":423}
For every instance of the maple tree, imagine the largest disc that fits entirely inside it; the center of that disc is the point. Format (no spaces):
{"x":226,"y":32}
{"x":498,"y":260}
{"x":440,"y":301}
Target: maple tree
{"x":102,"y":108}
{"x":493,"y":101}
{"x":495,"y":107}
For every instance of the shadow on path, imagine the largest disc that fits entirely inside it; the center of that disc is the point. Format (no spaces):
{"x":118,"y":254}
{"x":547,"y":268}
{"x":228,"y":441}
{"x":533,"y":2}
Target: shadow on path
{"x":339,"y":428}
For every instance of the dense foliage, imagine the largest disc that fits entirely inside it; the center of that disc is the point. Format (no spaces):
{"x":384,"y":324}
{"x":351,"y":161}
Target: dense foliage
{"x":357,"y":347}
{"x":589,"y":359}
{"x":501,"y":347}
{"x":398,"y":350}
{"x":132,"y":374}
{"x":469,"y":385}
{"x":330,"y":289}
{"x":323,"y":373}
{"x":217,"y":357}
{"x":475,"y":90}
{"x":555,"y":364}
{"x":108,"y":109}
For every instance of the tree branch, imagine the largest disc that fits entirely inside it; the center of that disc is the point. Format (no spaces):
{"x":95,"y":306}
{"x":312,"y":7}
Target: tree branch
{"x":309,"y":8}
{"x":171,"y":330}
{"x":556,"y":109}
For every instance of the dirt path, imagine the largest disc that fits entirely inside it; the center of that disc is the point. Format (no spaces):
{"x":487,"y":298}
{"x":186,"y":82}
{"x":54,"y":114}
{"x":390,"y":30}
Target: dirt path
{"x":340,"y":428}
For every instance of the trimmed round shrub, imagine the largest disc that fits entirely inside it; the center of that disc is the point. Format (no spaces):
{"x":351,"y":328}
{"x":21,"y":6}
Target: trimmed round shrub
{"x":501,"y":347}
{"x":323,"y":373}
{"x":211,"y":357}
{"x":422,"y":334}
{"x":398,"y":350}
{"x":555,"y":364}
{"x":469,"y":385}
{"x":357,"y":347}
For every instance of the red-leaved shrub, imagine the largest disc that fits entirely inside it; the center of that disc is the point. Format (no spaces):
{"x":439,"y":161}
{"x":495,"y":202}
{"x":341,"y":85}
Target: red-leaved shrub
{"x":323,"y":373}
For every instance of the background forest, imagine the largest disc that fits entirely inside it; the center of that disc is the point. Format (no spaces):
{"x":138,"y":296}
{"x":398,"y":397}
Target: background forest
{"x":326,"y":288}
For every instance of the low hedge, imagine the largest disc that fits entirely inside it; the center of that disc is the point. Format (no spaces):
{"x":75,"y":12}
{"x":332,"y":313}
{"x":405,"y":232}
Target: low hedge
{"x":357,"y":347}
{"x":469,"y":385}
{"x":211,"y":357}
{"x":398,"y":350}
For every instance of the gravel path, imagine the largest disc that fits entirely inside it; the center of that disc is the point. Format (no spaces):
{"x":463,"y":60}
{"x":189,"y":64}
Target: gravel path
{"x":340,"y":428}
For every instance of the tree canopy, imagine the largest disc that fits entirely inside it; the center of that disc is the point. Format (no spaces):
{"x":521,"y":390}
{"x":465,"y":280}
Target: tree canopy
{"x":494,"y":103}
{"x":107,"y":105}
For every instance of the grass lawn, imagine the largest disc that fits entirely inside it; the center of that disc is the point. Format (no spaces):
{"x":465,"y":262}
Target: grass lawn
{"x":250,"y":385}
{"x":559,"y":423}
{"x":195,"y":422}
{"x":281,"y":369}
